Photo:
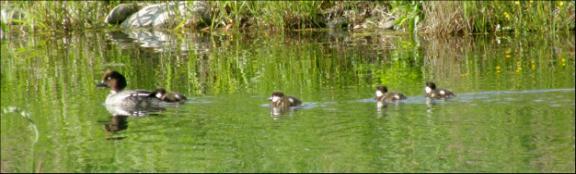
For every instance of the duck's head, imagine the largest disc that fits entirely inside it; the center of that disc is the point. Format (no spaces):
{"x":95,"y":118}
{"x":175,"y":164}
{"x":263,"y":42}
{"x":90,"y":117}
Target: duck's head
{"x":381,"y":90}
{"x":276,"y":96}
{"x":430,"y":86}
{"x":113,"y":79}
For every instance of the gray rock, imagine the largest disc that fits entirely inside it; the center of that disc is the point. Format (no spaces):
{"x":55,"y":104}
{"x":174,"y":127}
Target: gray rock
{"x":121,"y":12}
{"x":11,"y":16}
{"x":160,"y":40}
{"x":168,"y":15}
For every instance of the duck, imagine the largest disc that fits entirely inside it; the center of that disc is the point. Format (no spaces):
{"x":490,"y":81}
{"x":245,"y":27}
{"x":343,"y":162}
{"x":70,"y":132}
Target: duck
{"x":170,"y":97}
{"x":437,"y":93}
{"x":382,"y":95}
{"x":119,"y":96}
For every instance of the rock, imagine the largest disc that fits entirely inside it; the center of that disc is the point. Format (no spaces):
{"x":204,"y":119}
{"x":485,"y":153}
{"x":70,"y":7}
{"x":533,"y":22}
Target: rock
{"x":363,"y":16}
{"x":121,"y":12}
{"x":11,"y":17}
{"x":199,"y":14}
{"x":160,"y":41}
{"x":169,"y":15}
{"x":387,"y":23}
{"x":385,"y":19}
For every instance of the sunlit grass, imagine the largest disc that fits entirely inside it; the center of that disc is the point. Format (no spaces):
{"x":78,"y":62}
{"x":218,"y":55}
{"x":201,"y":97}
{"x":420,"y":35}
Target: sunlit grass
{"x":436,"y":18}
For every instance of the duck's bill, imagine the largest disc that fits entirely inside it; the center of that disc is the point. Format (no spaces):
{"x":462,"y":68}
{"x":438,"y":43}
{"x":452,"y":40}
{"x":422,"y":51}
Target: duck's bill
{"x":101,"y":85}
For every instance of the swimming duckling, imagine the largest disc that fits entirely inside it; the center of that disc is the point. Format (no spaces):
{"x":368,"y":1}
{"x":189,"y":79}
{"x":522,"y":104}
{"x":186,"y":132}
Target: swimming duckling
{"x":278,"y":99}
{"x":437,"y":93}
{"x":382,"y":95}
{"x":281,"y":103}
{"x":170,"y":97}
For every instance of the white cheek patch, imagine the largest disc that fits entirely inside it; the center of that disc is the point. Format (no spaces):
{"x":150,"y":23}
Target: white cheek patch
{"x":158,"y":95}
{"x":442,"y":92}
{"x":428,"y":89}
{"x":275,"y":98}
{"x":291,"y":100}
{"x":379,"y":93}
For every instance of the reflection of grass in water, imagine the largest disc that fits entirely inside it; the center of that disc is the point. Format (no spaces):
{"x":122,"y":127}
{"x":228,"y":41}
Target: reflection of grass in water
{"x":58,"y":76}
{"x":502,"y":62}
{"x":8,"y":112}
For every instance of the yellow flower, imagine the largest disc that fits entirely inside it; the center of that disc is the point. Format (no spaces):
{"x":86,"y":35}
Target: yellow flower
{"x":517,"y":2}
{"x":507,"y":53}
{"x":506,"y":15}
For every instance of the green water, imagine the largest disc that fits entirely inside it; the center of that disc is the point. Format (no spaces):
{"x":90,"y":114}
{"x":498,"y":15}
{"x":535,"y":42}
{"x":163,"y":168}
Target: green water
{"x":514,"y":110}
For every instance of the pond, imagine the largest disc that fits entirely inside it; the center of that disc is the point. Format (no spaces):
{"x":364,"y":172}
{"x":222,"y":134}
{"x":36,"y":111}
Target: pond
{"x":513,"y":110}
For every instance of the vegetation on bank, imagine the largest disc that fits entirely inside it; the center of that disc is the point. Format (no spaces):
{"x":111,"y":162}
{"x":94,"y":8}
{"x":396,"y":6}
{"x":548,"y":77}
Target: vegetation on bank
{"x":436,"y":18}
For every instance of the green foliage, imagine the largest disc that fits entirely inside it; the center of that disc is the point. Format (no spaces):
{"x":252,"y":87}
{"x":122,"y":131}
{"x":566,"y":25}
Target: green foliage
{"x":432,"y":17}
{"x":409,"y":14}
{"x":520,"y":17}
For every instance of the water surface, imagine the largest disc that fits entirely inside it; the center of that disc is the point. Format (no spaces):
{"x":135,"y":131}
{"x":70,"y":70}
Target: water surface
{"x":514,"y":110}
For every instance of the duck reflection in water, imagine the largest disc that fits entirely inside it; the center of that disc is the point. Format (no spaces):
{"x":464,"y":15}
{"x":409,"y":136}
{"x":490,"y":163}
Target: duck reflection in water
{"x":117,"y":123}
{"x":281,"y":103}
{"x":119,"y":119}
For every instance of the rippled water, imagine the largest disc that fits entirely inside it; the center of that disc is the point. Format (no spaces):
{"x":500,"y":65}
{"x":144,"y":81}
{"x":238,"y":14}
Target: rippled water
{"x":514,"y":109}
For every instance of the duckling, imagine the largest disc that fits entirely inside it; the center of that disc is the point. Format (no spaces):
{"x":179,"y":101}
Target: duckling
{"x":278,"y":99}
{"x":382,"y":95}
{"x":170,"y":97}
{"x":437,"y":93}
{"x":281,"y":103}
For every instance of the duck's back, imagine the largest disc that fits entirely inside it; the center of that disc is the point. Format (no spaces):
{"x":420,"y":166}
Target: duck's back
{"x":440,"y":94}
{"x":132,"y":98}
{"x":391,"y":97}
{"x":294,"y":101}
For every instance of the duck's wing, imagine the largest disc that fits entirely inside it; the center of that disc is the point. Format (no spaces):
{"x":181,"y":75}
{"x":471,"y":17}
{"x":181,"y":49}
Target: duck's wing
{"x":294,"y":101}
{"x":398,"y":96}
{"x":141,"y":94}
{"x":444,"y":92}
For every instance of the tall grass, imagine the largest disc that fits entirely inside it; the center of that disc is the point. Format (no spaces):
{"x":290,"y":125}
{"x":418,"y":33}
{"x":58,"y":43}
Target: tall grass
{"x":409,"y":14}
{"x":436,"y":18}
{"x":445,"y":18}
{"x":58,"y":16}
{"x":520,"y":17}
{"x":263,"y":14}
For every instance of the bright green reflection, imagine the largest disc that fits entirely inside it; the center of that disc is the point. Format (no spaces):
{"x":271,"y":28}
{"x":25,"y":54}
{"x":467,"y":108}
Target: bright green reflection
{"x":514,"y":110}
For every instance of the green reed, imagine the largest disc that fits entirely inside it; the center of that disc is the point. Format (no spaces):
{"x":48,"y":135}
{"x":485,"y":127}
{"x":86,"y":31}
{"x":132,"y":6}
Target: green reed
{"x":436,"y":18}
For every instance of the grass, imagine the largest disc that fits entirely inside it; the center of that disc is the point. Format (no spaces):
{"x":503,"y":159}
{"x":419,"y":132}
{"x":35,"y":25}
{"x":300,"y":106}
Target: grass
{"x":436,"y":18}
{"x":520,"y":17}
